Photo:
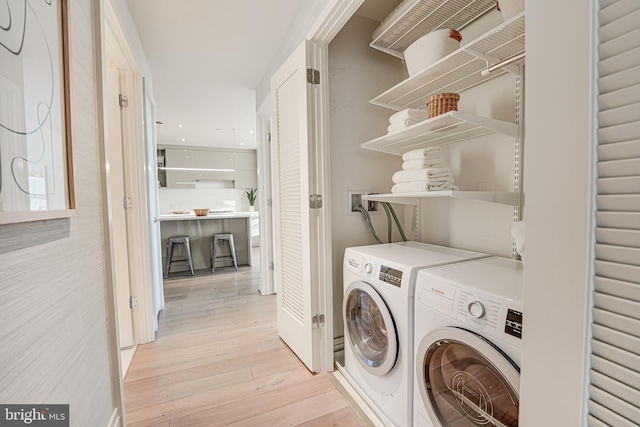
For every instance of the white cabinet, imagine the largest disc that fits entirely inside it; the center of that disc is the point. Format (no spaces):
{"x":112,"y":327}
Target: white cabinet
{"x":255,"y":229}
{"x":185,"y":167}
{"x":246,"y":175}
{"x":179,"y":167}
{"x":214,"y":165}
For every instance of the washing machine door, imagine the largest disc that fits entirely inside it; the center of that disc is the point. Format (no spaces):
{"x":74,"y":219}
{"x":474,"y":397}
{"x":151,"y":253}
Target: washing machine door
{"x":369,"y":328}
{"x":466,"y":381}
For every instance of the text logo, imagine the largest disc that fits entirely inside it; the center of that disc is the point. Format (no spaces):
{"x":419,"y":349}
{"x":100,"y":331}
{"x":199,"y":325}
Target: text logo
{"x":34,"y":415}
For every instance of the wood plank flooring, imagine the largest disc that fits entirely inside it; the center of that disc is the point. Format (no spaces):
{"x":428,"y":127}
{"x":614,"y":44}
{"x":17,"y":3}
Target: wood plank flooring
{"x":218,"y":361}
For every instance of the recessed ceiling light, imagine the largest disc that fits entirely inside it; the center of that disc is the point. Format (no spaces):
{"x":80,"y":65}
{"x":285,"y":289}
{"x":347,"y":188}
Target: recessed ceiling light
{"x":250,"y":131}
{"x":179,"y":126}
{"x":242,"y":143}
{"x":183,"y":139}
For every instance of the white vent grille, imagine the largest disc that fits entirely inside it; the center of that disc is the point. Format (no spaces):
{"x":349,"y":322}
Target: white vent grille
{"x":615,"y":357}
{"x":413,"y":19}
{"x":290,"y":195}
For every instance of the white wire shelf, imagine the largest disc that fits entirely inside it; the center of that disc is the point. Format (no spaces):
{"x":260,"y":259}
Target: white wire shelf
{"x":444,"y":129}
{"x":461,"y":69}
{"x":499,"y":197}
{"x":413,"y":19}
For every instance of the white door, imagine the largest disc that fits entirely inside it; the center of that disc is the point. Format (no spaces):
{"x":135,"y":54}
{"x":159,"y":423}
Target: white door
{"x":295,"y":222}
{"x":118,"y":225}
{"x":152,"y":204}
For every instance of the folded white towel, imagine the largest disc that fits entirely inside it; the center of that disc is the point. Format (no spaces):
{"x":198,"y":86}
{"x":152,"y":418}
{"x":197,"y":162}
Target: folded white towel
{"x":396,"y":127}
{"x":421,"y":187}
{"x":518,"y":234}
{"x":426,"y":175}
{"x":402,"y":124}
{"x":410,"y":187}
{"x":420,"y":153}
{"x":409,"y":113}
{"x":443,"y":186}
{"x":434,"y":162}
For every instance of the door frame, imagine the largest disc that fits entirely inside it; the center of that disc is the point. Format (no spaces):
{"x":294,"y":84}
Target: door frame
{"x":118,"y":53}
{"x":332,"y":19}
{"x":265,"y":201}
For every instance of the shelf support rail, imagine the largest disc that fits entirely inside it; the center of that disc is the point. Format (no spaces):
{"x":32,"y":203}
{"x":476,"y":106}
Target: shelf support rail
{"x":505,"y":64}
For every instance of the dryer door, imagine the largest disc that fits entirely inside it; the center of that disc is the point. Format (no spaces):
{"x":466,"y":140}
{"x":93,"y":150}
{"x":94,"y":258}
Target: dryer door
{"x":370,"y":329}
{"x":466,"y":381}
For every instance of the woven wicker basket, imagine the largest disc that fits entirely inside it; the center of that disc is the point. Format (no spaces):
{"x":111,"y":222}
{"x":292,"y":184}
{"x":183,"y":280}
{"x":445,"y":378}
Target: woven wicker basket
{"x":201,"y":212}
{"x":442,"y":103}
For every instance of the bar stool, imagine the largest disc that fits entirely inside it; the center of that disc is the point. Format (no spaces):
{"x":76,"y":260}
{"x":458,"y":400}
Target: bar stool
{"x":172,"y":241}
{"x":215,"y":241}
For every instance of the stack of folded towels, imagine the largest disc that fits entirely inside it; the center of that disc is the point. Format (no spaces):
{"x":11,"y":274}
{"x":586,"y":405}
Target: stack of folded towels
{"x":405,"y":118}
{"x":423,"y":170}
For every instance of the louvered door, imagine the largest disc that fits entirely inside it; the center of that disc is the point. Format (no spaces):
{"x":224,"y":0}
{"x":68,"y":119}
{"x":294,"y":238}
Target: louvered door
{"x":615,"y":360}
{"x":292,"y":151}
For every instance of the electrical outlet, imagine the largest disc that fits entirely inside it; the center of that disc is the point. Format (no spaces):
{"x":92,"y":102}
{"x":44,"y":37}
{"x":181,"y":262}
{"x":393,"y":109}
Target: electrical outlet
{"x":355,"y":201}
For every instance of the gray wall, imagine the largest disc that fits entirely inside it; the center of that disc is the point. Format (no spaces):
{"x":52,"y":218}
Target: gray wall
{"x":358,"y":73}
{"x":54,"y":339}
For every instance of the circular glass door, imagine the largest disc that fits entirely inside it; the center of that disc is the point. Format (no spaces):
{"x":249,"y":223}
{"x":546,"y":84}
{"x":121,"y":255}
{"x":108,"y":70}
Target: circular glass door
{"x":465,"y":381}
{"x":370,"y":330}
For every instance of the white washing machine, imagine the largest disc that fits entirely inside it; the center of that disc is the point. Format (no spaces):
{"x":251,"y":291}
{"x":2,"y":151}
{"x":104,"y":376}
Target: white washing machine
{"x":468,"y":342}
{"x":378,"y":316}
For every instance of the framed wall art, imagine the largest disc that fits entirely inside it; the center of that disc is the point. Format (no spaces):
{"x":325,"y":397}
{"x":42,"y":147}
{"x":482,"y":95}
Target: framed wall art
{"x":36,"y":171}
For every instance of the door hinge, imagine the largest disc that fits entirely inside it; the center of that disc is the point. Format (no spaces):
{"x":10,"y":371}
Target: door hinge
{"x":317,"y":321}
{"x":270,"y":202}
{"x":123,"y":101}
{"x":127,"y":202}
{"x":315,"y":201}
{"x":269,"y":137}
{"x":272,"y":266}
{"x":133,"y":301}
{"x":313,"y":76}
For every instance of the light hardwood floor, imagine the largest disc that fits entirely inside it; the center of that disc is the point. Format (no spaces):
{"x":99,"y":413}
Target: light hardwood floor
{"x":218,"y":361}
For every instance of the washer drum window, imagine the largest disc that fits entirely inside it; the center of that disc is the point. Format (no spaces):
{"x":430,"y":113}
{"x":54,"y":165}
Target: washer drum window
{"x":369,"y":328}
{"x":465,"y":381}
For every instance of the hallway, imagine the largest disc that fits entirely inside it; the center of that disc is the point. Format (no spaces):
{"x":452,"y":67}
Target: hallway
{"x":218,"y":361}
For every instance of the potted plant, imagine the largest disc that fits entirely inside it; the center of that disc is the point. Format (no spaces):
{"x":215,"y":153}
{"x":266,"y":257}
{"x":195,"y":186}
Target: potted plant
{"x":251,"y":195}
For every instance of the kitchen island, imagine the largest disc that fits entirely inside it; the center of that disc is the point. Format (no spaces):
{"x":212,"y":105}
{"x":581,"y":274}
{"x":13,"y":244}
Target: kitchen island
{"x":200,"y":230}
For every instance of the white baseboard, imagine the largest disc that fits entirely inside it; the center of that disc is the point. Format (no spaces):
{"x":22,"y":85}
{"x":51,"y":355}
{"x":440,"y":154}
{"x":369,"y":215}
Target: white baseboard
{"x":115,"y":419}
{"x":376,"y":418}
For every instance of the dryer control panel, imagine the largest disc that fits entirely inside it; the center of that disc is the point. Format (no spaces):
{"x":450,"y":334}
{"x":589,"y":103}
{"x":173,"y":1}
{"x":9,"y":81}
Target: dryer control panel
{"x":491,"y":314}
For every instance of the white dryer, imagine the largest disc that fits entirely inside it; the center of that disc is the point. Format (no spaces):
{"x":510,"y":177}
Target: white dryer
{"x":468,"y":342}
{"x":378,"y":316}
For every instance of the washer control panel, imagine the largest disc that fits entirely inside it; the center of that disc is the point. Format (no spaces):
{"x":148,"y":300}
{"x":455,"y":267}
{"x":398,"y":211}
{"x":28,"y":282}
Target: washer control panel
{"x":390,"y":275}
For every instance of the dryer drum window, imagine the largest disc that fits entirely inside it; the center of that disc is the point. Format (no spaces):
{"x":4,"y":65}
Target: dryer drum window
{"x":370,"y":330}
{"x":466,"y":389}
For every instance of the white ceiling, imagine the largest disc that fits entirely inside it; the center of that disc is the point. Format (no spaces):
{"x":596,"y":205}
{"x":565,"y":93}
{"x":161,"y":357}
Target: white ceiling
{"x":208,"y":56}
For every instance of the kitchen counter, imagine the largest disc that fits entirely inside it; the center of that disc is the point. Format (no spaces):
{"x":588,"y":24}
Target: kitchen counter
{"x":200,"y":230}
{"x":192,"y":216}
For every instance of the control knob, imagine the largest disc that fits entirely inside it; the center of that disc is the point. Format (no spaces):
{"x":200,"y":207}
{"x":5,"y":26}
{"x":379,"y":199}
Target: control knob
{"x":476,"y":310}
{"x":368,"y":268}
